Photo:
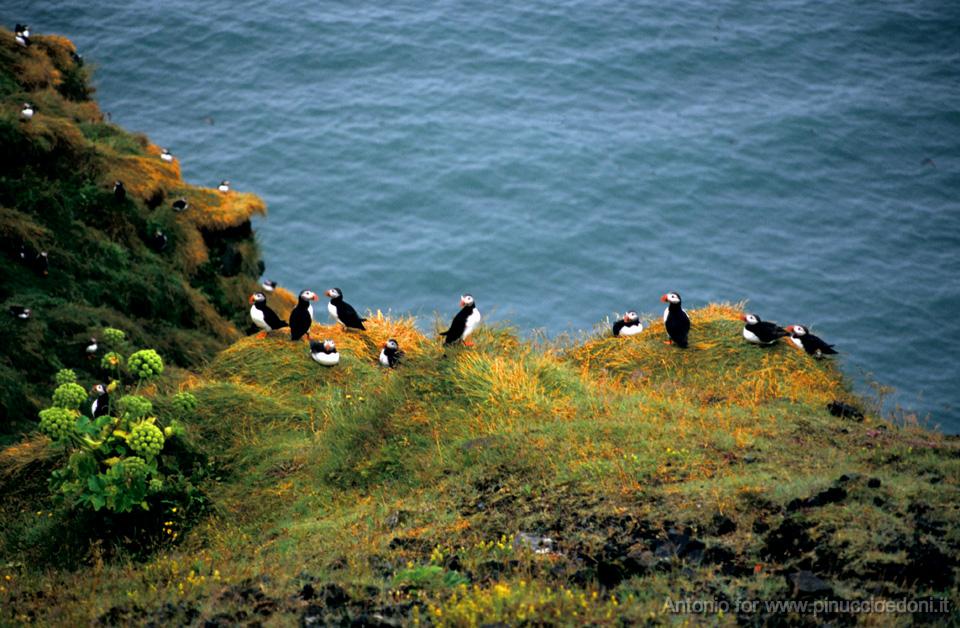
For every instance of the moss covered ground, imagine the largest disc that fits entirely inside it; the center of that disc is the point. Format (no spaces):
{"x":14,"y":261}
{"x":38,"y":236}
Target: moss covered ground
{"x":518,"y":482}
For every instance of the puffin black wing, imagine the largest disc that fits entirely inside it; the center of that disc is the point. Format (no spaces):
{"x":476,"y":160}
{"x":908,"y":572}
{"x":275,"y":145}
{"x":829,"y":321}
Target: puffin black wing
{"x":457,"y":326}
{"x":300,"y":320}
{"x":348,"y":316}
{"x":678,"y":326}
{"x":270,"y":318}
{"x":814,"y":345}
{"x":617,"y":326}
{"x":768,"y":332}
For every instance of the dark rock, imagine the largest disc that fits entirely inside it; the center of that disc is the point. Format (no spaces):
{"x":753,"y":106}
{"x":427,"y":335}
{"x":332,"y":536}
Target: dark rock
{"x":873,"y":483}
{"x":789,"y":540}
{"x":848,"y":477}
{"x":760,"y":526}
{"x":307,"y":592}
{"x":844,"y":410}
{"x":878,"y":502}
{"x":721,"y":525}
{"x":333,"y":595}
{"x":806,"y":583}
{"x":831,"y":495}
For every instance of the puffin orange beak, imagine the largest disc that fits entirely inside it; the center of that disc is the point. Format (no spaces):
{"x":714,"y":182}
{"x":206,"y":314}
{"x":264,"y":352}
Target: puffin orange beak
{"x":383,"y":346}
{"x":315,"y":298}
{"x":664,"y":298}
{"x":789,"y":328}
{"x":743,"y":317}
{"x":461,"y":303}
{"x":250,"y":299}
{"x":327,"y":293}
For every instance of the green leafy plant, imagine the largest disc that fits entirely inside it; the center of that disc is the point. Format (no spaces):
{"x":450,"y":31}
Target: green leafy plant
{"x":65,"y":376}
{"x":69,"y":396}
{"x":111,"y":361}
{"x":145,"y":364}
{"x":184,"y":403}
{"x":134,"y":407}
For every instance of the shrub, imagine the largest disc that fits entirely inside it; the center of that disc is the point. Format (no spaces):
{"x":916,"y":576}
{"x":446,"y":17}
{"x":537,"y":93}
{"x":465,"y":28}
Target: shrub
{"x":145,"y":364}
{"x":133,"y":407}
{"x":111,"y":361}
{"x":65,"y":376}
{"x":184,"y":403}
{"x":146,"y":439}
{"x":58,"y":423}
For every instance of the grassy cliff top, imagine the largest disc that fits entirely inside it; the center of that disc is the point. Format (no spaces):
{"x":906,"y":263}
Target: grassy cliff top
{"x":57,"y":172}
{"x":520,"y":482}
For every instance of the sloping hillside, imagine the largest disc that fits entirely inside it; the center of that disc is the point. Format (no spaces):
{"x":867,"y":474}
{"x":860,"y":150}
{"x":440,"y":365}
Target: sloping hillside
{"x":102,"y":265}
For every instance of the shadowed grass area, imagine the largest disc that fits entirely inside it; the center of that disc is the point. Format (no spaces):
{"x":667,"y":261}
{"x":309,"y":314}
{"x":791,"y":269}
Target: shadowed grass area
{"x":520,"y":483}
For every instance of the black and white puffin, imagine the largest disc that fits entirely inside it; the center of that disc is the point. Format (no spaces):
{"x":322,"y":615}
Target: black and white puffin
{"x":93,"y":347}
{"x":268,"y":286}
{"x":19,"y":311}
{"x":343,"y":311}
{"x":464,"y":323}
{"x":675,"y":319}
{"x":224,"y":186}
{"x":263,"y":316}
{"x":26,"y":113}
{"x":119,"y":192}
{"x":180,"y":204}
{"x":22,"y":35}
{"x":158,"y":241}
{"x":41,"y":263}
{"x":760,"y":332}
{"x":302,"y":316}
{"x":166,"y":156}
{"x":324,"y":352}
{"x":22,"y":29}
{"x":390,"y":354}
{"x":100,"y":406}
{"x":813,"y":345}
{"x":629,"y":325}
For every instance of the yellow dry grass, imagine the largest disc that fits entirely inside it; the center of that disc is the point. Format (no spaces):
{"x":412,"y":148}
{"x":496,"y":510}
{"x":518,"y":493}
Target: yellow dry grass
{"x":216,"y":211}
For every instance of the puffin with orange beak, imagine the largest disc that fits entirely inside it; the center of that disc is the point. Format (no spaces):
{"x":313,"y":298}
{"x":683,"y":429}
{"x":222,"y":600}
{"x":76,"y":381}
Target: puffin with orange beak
{"x":629,"y":325}
{"x":101,"y":401}
{"x":813,"y":345}
{"x":390,"y":354}
{"x":342,"y":311}
{"x":675,"y":320}
{"x":464,"y":323}
{"x":760,"y":332}
{"x":263,"y":316}
{"x":302,"y":316}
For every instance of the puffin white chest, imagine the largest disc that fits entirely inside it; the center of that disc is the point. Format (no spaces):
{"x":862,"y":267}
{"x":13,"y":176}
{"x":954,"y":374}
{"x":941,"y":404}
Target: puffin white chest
{"x":257,"y":317}
{"x":94,"y":406}
{"x":473,"y":321}
{"x":797,"y":341}
{"x":384,"y":360}
{"x":751,"y":337}
{"x":326,"y":359}
{"x":631,"y":330}
{"x":310,"y":310}
{"x":333,"y":311}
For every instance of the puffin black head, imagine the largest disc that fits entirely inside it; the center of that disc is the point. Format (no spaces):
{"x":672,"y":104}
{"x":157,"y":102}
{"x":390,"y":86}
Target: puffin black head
{"x":268,"y":285}
{"x":750,"y":319}
{"x":117,"y":184}
{"x":180,"y":204}
{"x":257,"y":297}
{"x":316,"y":346}
{"x":630,"y":317}
{"x":391,"y":344}
{"x":796,"y":330}
{"x":308,"y":295}
{"x":98,"y":389}
{"x":671,"y":297}
{"x":333,"y":293}
{"x":466,"y":300}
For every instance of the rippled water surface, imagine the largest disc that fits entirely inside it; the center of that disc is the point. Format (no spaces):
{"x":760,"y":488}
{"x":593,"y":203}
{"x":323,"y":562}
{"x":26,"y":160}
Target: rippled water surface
{"x":566,"y":160}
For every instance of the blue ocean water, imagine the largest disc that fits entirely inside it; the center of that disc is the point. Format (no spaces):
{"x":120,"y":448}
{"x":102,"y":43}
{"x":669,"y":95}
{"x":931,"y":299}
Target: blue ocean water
{"x":566,"y":160}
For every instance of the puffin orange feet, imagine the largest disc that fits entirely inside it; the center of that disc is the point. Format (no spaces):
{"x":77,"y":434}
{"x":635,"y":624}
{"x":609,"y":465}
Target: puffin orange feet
{"x":467,"y":343}
{"x":262,"y":334}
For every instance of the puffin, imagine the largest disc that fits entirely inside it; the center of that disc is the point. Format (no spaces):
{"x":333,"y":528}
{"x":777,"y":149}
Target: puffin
{"x":390,"y":354}
{"x":23,"y":37}
{"x":180,"y":204}
{"x":813,"y":345}
{"x":302,"y":316}
{"x":629,"y":325}
{"x":262,"y":316}
{"x":42,"y":263}
{"x":26,"y":113}
{"x":325,"y":352}
{"x":22,"y":29}
{"x":166,"y":156}
{"x":224,"y":186}
{"x":760,"y":332}
{"x":268,"y":286}
{"x":19,"y":311}
{"x":93,"y":347}
{"x":464,"y":323}
{"x":675,"y":319}
{"x":343,"y":311}
{"x":158,"y":241}
{"x":119,"y":192}
{"x":101,"y":401}
{"x":77,"y":58}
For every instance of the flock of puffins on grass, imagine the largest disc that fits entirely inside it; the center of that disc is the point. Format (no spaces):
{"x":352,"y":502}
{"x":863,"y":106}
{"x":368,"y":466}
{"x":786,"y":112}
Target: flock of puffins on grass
{"x":676,"y":322}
